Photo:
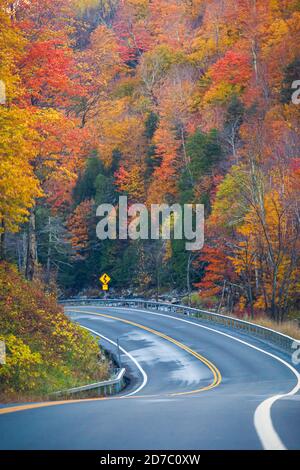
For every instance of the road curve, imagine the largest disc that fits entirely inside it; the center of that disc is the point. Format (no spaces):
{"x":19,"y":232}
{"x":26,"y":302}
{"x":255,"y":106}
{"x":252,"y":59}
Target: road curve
{"x":193,"y":386}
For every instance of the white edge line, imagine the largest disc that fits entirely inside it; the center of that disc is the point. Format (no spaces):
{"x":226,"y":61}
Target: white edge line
{"x":263,"y":424}
{"x":145,"y":377}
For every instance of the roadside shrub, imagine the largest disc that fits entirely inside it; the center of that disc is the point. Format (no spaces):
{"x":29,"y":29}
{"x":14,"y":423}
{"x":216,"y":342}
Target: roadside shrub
{"x":45,"y":350}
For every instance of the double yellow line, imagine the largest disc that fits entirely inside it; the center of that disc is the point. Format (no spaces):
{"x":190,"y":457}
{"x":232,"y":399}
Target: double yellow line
{"x":217,"y":378}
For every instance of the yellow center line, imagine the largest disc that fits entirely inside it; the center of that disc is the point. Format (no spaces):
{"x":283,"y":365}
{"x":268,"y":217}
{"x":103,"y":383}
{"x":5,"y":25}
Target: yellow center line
{"x":217,"y":378}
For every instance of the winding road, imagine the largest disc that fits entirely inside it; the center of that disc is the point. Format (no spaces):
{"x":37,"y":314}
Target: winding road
{"x":192,"y":386}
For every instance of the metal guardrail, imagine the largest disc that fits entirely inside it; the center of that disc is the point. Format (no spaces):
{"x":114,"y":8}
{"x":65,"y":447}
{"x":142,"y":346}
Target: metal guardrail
{"x":280,"y":340}
{"x":108,"y":387}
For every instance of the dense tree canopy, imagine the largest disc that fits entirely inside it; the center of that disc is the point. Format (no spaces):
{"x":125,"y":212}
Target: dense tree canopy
{"x":162,"y":101}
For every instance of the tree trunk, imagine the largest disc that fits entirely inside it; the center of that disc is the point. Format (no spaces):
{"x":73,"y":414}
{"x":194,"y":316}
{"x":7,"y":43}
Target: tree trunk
{"x":157,"y":275}
{"x":188,"y":278}
{"x":250,"y":298}
{"x":31,"y":260}
{"x":255,"y":60}
{"x":2,"y":240}
{"x":223,"y":295}
{"x":24,"y":251}
{"x":49,"y":252}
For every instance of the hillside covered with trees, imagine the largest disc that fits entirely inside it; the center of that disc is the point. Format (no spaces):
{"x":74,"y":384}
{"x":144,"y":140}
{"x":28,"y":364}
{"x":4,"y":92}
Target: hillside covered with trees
{"x":187,"y":101}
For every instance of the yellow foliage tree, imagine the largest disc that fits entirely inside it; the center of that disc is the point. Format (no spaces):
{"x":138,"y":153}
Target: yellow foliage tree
{"x":266,"y":257}
{"x":18,"y":185}
{"x":12,"y":45}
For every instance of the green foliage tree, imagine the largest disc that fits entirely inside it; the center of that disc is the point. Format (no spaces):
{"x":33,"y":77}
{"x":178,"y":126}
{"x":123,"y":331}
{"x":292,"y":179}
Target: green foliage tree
{"x":204,"y":151}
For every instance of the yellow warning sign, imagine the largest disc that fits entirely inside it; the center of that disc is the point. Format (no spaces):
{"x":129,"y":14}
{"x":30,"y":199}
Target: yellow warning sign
{"x":105,"y":280}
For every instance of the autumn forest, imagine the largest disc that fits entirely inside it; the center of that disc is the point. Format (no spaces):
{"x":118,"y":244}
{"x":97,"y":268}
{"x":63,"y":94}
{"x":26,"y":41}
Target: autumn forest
{"x":164,"y":101}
